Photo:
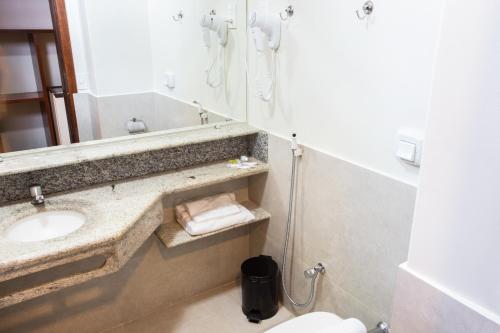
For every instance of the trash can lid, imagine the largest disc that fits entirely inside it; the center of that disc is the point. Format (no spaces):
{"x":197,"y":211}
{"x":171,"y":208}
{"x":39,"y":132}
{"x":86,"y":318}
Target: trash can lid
{"x":260,"y":267}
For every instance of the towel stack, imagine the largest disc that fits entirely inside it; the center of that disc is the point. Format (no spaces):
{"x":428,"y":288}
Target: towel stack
{"x":211,"y":214}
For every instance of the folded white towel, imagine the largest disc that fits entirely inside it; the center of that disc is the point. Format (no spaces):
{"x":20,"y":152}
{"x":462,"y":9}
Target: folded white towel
{"x":199,"y":206}
{"x":208,"y":208}
{"x":216,"y":219}
{"x":217,"y":213}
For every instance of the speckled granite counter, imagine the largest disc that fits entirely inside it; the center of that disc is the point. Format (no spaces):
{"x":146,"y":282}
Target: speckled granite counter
{"x":78,"y":166}
{"x":119,"y":221}
{"x":39,"y":159}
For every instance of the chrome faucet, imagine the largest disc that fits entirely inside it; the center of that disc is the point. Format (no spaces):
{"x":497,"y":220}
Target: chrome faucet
{"x":37,"y":195}
{"x":202,"y":112}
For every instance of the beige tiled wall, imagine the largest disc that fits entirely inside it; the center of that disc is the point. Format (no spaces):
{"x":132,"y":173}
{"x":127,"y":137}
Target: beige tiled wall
{"x":420,"y":307}
{"x":355,"y":221}
{"x":154,"y":277}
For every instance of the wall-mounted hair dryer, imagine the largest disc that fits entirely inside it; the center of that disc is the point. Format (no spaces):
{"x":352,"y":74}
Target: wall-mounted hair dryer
{"x":211,"y":22}
{"x":263,"y":25}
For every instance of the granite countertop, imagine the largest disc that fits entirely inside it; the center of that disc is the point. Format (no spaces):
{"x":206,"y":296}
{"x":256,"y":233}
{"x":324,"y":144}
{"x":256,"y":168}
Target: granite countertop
{"x":38,"y":159}
{"x":111,"y":214}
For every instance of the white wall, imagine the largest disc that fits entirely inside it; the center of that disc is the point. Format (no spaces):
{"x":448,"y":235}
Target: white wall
{"x":33,"y":14}
{"x":455,"y":239}
{"x":21,"y":125}
{"x":17,"y":72}
{"x":131,"y":53}
{"x":124,"y":59}
{"x":112,"y":45}
{"x":77,"y":24}
{"x":346,"y":86}
{"x":178,"y":47}
{"x":50,"y":59}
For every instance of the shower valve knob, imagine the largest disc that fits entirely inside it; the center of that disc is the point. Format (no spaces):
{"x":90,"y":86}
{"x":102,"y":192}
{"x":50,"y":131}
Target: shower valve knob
{"x":309,"y":273}
{"x":320,"y":268}
{"x":312,"y":272}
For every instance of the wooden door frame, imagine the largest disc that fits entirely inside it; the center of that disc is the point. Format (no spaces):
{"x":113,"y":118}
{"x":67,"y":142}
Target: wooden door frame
{"x":41,"y":75}
{"x":66,"y":63}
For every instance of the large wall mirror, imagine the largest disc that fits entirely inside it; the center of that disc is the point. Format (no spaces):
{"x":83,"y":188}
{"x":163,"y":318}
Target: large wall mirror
{"x":86,"y":70}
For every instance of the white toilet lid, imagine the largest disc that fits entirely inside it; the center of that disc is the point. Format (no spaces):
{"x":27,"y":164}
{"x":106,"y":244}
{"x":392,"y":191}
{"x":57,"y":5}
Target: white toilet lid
{"x":310,"y":323}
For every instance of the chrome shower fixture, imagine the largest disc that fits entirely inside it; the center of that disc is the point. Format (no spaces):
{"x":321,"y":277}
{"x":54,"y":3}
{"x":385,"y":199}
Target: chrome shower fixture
{"x":311,"y":273}
{"x":314,"y":271}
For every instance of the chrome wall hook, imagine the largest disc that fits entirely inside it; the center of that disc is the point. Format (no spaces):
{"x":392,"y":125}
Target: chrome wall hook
{"x":289,"y":11}
{"x":367,"y":10}
{"x":178,"y":17}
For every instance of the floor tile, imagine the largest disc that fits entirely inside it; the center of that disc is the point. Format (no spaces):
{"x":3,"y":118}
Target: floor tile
{"x":218,"y":311}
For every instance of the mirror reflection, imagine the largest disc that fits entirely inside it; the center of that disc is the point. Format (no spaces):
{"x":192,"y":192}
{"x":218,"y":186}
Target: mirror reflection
{"x":82,"y":70}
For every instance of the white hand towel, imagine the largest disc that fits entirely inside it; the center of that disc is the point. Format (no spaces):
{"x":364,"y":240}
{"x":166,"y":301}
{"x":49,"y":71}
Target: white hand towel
{"x":217,"y":213}
{"x":200,"y":206}
{"x":346,"y":326}
{"x":199,"y":228}
{"x":181,"y":212}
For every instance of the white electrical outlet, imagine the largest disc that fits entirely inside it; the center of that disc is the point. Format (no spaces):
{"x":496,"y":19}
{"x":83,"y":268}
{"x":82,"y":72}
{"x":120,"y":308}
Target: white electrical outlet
{"x":169,"y":80}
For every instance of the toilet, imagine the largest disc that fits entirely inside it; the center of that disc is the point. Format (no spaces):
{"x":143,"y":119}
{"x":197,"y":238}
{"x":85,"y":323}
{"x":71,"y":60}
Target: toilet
{"x":319,"y":322}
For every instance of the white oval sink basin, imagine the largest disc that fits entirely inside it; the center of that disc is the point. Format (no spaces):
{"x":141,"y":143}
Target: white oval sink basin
{"x":46,"y":225}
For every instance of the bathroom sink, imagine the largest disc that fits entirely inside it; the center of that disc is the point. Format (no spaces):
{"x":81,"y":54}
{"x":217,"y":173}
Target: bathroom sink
{"x":45,"y":226}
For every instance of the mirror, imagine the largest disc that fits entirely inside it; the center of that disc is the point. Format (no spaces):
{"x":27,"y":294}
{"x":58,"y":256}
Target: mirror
{"x":85,"y":70}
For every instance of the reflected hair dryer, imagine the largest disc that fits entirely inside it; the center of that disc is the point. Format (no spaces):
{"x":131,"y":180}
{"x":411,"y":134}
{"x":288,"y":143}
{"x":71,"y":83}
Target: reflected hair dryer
{"x":264,"y":25}
{"x":210,"y":22}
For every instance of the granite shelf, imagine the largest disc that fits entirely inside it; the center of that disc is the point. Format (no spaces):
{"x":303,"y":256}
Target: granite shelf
{"x":121,"y":217}
{"x":172,"y":234}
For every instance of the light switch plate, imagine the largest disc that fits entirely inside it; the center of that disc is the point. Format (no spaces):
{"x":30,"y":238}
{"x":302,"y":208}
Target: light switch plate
{"x":407,"y":151}
{"x":409,"y":144}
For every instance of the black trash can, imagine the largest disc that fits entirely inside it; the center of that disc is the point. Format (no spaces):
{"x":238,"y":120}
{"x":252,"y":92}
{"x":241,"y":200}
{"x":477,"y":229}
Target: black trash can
{"x":259,"y":284}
